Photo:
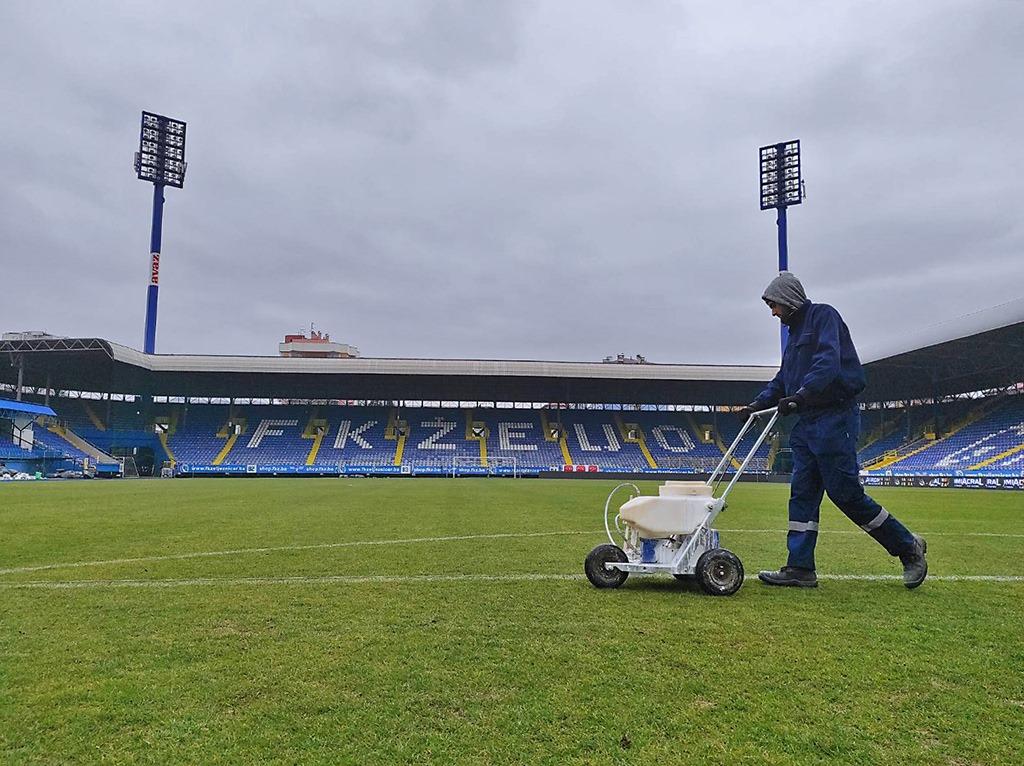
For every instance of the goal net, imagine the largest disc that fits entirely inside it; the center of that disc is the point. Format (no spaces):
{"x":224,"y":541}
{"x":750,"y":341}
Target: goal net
{"x":128,"y":468}
{"x":491,"y":466}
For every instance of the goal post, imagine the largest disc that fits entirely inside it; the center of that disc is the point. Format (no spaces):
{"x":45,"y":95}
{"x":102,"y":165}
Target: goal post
{"x":491,"y":466}
{"x":128,"y":468}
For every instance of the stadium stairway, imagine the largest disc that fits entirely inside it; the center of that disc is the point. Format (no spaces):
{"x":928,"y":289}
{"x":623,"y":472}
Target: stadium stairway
{"x":554,"y":432}
{"x":81,"y":446}
{"x":874,"y":451}
{"x":633,"y":433}
{"x":901,"y":452}
{"x":476,"y":430}
{"x":316,"y":430}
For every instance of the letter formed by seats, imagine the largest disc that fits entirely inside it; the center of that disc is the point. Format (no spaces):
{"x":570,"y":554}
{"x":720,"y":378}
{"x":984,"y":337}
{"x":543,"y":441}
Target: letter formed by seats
{"x":509,"y":431}
{"x":268,"y":428}
{"x":660,"y":434}
{"x":432,"y":442}
{"x":609,"y":435}
{"x":345,"y":432}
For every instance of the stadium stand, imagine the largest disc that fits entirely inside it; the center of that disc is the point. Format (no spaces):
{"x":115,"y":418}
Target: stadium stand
{"x":422,"y":440}
{"x":980,"y":437}
{"x":992,"y":444}
{"x":9,"y":450}
{"x":924,"y":411}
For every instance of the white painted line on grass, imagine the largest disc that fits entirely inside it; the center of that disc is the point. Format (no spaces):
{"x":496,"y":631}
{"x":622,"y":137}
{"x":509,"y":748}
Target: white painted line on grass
{"x":414,"y":579}
{"x":937,"y":578}
{"x":411,"y":541}
{"x":296,"y":580}
{"x":859,"y":532}
{"x":275,"y":549}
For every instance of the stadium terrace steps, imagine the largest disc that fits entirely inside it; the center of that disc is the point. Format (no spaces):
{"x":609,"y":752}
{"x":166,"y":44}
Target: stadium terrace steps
{"x":83,"y":446}
{"x":98,"y":424}
{"x":633,"y":432}
{"x":316,"y":430}
{"x":773,"y":451}
{"x":554,"y":432}
{"x":162,"y":436}
{"x":476,"y":430}
{"x":874,"y":451}
{"x":901,"y":453}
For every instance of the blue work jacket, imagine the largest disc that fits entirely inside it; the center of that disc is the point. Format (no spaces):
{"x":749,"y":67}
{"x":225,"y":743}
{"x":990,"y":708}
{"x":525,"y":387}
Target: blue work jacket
{"x":820,"y":362}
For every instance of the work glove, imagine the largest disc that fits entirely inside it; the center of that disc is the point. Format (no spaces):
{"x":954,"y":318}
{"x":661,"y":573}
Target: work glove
{"x":790,"y":404}
{"x":748,"y":409}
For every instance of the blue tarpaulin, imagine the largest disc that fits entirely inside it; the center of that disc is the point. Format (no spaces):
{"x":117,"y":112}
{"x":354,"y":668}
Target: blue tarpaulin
{"x":9,"y":407}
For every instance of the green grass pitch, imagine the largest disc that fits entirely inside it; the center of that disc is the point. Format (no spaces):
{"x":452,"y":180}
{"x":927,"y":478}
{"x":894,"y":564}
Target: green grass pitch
{"x":243,"y":621}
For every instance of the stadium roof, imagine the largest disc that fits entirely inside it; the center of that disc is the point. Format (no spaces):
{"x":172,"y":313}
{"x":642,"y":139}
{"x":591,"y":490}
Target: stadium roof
{"x":93,"y":364}
{"x":977,"y":352}
{"x":980,"y":352}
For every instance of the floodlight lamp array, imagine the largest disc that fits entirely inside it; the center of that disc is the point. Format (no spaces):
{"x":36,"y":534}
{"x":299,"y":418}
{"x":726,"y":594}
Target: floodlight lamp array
{"x":161,"y":155}
{"x":781,"y":183}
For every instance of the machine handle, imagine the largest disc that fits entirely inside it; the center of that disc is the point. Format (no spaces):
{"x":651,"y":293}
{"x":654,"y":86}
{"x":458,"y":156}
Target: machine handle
{"x":720,"y":469}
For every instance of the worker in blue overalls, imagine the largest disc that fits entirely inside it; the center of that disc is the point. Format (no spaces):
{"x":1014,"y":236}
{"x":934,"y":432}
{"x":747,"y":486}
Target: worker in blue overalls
{"x":819,"y":380}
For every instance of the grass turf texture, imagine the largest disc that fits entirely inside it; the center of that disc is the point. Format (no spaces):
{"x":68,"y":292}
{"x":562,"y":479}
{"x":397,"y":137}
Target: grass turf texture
{"x":489,"y":671}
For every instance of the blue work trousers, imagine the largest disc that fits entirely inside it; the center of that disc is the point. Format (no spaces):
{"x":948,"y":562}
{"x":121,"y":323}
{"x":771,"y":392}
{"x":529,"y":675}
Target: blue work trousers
{"x":824,"y":445}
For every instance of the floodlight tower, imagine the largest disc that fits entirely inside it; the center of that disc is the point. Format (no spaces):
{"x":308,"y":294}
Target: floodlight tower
{"x":161,"y":160}
{"x":781,"y":186}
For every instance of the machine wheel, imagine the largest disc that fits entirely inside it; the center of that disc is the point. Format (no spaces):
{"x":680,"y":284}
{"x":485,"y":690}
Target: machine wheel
{"x":719,"y":572}
{"x":599,"y":576}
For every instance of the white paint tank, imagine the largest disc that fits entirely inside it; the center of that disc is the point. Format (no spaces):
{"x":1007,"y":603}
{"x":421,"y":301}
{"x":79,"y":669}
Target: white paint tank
{"x":678,"y":509}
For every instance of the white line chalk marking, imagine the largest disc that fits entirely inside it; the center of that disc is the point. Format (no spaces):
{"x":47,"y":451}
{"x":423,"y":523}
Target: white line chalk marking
{"x":316,"y":546}
{"x":415,"y":579}
{"x":416,"y":540}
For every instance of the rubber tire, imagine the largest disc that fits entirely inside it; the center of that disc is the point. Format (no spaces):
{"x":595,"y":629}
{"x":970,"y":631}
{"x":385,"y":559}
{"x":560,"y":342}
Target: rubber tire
{"x":599,"y":576}
{"x":719,"y":572}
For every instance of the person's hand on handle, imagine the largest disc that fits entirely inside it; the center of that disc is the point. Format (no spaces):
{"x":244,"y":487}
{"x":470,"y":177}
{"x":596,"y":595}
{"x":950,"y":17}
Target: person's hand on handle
{"x":747,"y":410}
{"x":791,"y":404}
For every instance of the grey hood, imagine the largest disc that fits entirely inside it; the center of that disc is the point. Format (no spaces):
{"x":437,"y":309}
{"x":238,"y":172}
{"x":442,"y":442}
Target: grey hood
{"x":785,"y":290}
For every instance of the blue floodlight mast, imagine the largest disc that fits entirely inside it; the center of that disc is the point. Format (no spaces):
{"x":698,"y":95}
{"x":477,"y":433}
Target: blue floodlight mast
{"x":161,"y":160}
{"x":781,"y":186}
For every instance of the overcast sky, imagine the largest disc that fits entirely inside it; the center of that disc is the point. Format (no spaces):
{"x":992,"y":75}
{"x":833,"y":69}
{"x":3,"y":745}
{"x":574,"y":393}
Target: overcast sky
{"x":484,"y":179}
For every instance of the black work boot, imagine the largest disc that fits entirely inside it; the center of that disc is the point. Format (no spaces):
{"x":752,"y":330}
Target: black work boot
{"x":793,"y":577}
{"x":915,"y":565}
